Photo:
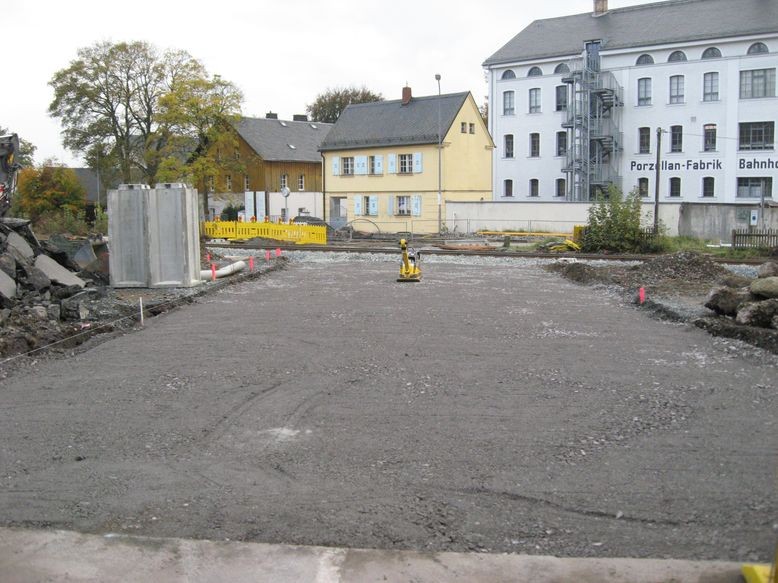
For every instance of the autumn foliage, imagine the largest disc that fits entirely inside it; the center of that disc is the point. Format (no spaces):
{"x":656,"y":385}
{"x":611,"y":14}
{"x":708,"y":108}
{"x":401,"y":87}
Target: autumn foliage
{"x":48,"y":188}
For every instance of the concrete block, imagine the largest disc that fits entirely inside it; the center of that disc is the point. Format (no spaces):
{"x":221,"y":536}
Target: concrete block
{"x":56,"y":273}
{"x":765,"y":287}
{"x":17,"y":242}
{"x":8,"y":265}
{"x":7,"y":286}
{"x":35,"y":278}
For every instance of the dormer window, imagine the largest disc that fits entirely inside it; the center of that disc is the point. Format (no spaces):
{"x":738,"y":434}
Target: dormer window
{"x":758,"y":49}
{"x":711,"y":53}
{"x":509,"y":74}
{"x":676,"y":56}
{"x":645,"y":59}
{"x":535,"y":72}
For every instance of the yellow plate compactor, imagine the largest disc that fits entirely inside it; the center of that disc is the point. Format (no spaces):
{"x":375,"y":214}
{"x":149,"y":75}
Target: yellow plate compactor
{"x":409,"y":268}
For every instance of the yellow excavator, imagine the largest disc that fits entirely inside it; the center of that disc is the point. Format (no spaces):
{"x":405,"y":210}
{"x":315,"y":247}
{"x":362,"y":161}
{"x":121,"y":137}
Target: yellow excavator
{"x":409,"y":268}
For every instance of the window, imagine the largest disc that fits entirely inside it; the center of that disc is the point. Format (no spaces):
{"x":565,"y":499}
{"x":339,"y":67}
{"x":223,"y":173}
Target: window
{"x":711,"y":53}
{"x":285,"y":180}
{"x":561,"y":69}
{"x":644,"y":140}
{"x":534,"y":145}
{"x":228,"y":182}
{"x":535,"y":72}
{"x":709,"y":137}
{"x":644,"y":91}
{"x":406,"y":163}
{"x":348,"y":166}
{"x":710,"y":90}
{"x":509,"y":74}
{"x":374,"y":165}
{"x":534,"y":187}
{"x":561,"y":143}
{"x":472,"y":128}
{"x":758,"y":49}
{"x":708,"y":187}
{"x":643,"y":186}
{"x":676,"y":138}
{"x":645,"y":60}
{"x":675,"y":186}
{"x":755,"y":187}
{"x":463,"y":127}
{"x":507,"y":188}
{"x":561,"y":189}
{"x":366,"y":206}
{"x":403,"y":205}
{"x":757,"y":135}
{"x":676,"y":89}
{"x":757,"y":83}
{"x":676,"y":56}
{"x":534,"y":100}
{"x":508,"y":145}
{"x":246,"y":185}
{"x":237,"y":154}
{"x":508,"y":103}
{"x":301,"y":182}
{"x":561,"y":97}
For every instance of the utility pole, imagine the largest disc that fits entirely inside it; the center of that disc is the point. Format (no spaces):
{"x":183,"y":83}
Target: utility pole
{"x":440,"y":169}
{"x":656,"y":179}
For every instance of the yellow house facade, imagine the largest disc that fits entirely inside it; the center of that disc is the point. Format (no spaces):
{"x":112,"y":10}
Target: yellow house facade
{"x":383,"y":171}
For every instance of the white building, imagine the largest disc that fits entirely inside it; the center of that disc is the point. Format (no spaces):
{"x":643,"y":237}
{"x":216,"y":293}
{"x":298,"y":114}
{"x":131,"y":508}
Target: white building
{"x":575,"y":103}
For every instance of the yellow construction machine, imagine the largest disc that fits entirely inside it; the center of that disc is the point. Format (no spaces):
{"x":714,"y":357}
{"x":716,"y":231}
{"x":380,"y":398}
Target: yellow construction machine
{"x":409,"y":268}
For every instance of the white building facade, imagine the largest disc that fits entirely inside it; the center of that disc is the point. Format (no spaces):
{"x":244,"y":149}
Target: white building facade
{"x":575,"y":104}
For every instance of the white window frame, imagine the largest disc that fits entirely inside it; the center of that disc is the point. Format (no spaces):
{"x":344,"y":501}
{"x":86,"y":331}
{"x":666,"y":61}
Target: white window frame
{"x":677,"y":89}
{"x":508,"y":102}
{"x":751,"y":186}
{"x":284,"y":181}
{"x":509,"y":144}
{"x":347,"y":166}
{"x":710,"y":86}
{"x":402,"y":205}
{"x":535,"y":100}
{"x":767,"y":131}
{"x":301,"y":183}
{"x":757,"y":83}
{"x":405,"y":164}
{"x":644,"y":91}
{"x":534,"y":145}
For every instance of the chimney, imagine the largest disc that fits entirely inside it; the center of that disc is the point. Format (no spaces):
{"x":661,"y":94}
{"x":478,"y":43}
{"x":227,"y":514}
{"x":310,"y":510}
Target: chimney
{"x":600,"y":7}
{"x":271,"y":115}
{"x":299,"y":117}
{"x":407,"y":95}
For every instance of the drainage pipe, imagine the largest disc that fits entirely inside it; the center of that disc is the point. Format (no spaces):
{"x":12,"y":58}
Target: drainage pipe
{"x":224,"y":271}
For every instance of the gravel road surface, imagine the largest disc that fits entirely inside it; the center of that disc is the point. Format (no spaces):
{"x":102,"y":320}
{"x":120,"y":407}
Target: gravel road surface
{"x":491,"y":407}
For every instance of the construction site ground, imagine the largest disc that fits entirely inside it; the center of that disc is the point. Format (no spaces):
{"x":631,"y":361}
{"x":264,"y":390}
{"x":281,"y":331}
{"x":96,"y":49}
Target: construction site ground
{"x":493,"y":407}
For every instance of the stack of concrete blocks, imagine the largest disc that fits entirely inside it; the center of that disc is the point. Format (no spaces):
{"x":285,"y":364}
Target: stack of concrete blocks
{"x":154,"y":236}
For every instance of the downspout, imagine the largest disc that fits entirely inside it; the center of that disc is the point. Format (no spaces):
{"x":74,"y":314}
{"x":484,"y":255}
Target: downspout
{"x":323,"y":187}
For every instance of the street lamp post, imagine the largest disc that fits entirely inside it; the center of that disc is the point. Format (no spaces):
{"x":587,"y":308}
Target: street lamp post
{"x":440,"y":168}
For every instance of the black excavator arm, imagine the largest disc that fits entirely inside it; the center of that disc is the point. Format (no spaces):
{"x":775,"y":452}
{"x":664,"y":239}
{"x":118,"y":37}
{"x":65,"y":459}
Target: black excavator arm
{"x":9,"y":146}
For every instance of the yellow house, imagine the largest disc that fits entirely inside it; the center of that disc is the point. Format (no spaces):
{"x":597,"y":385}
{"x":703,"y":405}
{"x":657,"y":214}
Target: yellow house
{"x":384,"y":171}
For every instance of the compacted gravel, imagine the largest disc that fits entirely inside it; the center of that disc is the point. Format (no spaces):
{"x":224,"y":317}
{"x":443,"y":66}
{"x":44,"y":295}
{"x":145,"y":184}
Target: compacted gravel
{"x":491,"y":407}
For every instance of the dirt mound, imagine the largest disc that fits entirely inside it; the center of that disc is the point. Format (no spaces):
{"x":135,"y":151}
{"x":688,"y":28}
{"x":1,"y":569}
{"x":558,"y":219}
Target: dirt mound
{"x":685,"y":266}
{"x":580,"y":272}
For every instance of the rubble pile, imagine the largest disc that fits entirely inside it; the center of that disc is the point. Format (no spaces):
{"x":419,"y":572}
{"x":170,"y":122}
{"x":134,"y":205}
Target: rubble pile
{"x":44,"y":296}
{"x":755,"y":304}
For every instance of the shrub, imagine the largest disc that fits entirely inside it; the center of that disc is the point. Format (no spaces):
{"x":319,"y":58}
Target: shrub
{"x":614,"y":225}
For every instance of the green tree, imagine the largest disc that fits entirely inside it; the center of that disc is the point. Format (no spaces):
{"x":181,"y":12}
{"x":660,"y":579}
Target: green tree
{"x":614,"y":223}
{"x":328,"y":106}
{"x":118,"y":102}
{"x":26,"y":154}
{"x":49,"y":188}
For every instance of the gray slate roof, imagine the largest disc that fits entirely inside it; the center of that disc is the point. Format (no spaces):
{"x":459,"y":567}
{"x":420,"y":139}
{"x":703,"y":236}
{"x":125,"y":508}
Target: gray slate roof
{"x":271,"y":138}
{"x":636,"y":26}
{"x":390,"y":123}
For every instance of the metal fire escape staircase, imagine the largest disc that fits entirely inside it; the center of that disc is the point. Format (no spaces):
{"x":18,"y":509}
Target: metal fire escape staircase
{"x":593,"y":124}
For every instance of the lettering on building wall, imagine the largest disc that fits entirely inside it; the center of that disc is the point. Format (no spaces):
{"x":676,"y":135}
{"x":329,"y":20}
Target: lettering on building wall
{"x":717,"y":164}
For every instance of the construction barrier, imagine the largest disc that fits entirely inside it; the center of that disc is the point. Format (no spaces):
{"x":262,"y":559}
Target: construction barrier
{"x":298,"y":234}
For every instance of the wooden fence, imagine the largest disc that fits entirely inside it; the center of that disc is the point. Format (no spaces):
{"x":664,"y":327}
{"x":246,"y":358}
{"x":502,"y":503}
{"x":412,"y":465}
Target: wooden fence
{"x":754,"y":238}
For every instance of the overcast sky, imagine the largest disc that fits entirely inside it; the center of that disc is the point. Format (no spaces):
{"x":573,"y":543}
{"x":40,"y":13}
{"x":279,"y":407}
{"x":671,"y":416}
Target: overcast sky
{"x":280,"y":53}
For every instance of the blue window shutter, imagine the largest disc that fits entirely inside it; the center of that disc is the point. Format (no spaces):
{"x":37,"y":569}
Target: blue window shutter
{"x":379,"y":164}
{"x":357,"y":206}
{"x":392,"y":163}
{"x":360,"y":163}
{"x":417,"y":162}
{"x":416,"y":205}
{"x":390,"y":205}
{"x":335,"y":165}
{"x":373,"y":205}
